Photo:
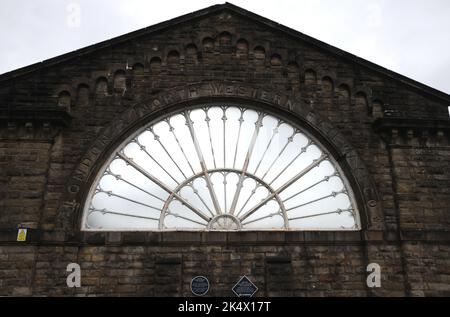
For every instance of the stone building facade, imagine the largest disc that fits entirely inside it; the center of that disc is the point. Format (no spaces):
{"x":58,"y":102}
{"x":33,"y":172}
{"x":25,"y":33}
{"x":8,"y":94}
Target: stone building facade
{"x":60,"y":119}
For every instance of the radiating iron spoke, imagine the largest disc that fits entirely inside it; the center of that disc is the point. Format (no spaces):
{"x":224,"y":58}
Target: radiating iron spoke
{"x":224,"y":120}
{"x":110,"y":193}
{"x":120,"y":178}
{"x":201,"y":199}
{"x":325,"y":179}
{"x":225,"y":191}
{"x":339,"y":211}
{"x":241,"y":120}
{"x":202,"y":163}
{"x":289,"y":140}
{"x":144,"y":149}
{"x":253,"y":192}
{"x":261,"y":218}
{"x":333,"y":194}
{"x":185,"y":218}
{"x":282,"y":188}
{"x":105,"y":211}
{"x":275,"y":132}
{"x":158,"y":139}
{"x":302,"y":151}
{"x":172,"y":130}
{"x":258,"y":125}
{"x":162,"y":185}
{"x":208,"y":119}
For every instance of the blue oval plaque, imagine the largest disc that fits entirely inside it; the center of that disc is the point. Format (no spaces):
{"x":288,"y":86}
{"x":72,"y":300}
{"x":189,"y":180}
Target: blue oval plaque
{"x":199,"y":285}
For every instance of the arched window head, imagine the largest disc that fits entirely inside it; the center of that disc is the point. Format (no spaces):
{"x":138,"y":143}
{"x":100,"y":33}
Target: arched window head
{"x":155,"y":65}
{"x":138,"y":68}
{"x":120,"y":81}
{"x":220,"y":167}
{"x":64,"y":100}
{"x":225,"y":39}
{"x":241,"y":47}
{"x":293,"y":71}
{"x":310,"y":77}
{"x":260,"y":53}
{"x":191,"y":54}
{"x":276,"y":60}
{"x":208,"y":43}
{"x":173,"y":58}
{"x":101,"y":86}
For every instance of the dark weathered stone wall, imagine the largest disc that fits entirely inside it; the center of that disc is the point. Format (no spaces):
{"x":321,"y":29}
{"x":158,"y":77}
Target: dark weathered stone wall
{"x":164,"y":268}
{"x":394,"y":138}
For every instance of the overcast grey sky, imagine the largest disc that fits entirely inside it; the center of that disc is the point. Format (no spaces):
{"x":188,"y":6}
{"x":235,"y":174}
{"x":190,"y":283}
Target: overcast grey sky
{"x":411,"y":37}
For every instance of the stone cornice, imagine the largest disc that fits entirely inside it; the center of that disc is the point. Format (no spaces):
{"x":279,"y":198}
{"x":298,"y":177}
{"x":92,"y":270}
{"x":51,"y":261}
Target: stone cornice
{"x":389,"y":123}
{"x":44,"y":237}
{"x":54,"y":116}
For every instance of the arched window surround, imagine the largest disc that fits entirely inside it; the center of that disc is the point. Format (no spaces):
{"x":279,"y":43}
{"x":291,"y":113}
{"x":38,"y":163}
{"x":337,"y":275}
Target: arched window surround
{"x":286,"y":116}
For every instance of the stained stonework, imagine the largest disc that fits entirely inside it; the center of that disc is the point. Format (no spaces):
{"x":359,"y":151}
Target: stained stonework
{"x":60,"y":120}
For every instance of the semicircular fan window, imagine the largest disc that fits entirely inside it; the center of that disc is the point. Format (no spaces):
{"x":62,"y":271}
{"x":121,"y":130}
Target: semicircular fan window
{"x":220,"y":167}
